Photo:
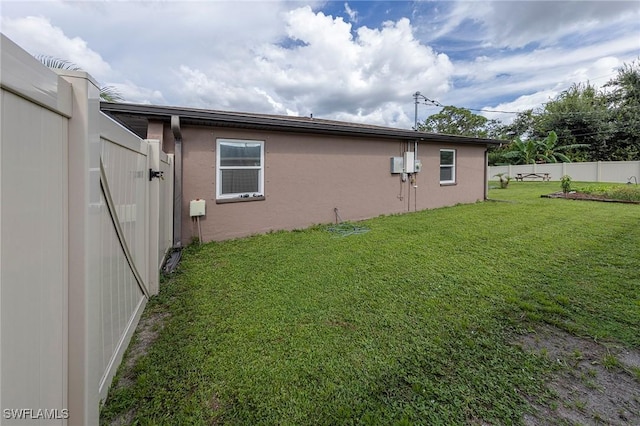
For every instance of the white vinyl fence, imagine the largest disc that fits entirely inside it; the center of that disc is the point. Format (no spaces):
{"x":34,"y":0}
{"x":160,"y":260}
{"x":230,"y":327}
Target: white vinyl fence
{"x":84,"y":230}
{"x":601,"y":171}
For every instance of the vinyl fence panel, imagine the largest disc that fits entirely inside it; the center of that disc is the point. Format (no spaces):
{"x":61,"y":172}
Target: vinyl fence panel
{"x":33,"y":248}
{"x":600,"y":171}
{"x":83,"y":233}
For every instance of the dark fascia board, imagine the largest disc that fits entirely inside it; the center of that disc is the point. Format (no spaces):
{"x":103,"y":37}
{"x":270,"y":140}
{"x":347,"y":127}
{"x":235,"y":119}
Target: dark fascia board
{"x":280,"y":123}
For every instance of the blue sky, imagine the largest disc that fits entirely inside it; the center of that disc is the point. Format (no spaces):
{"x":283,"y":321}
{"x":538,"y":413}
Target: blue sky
{"x":347,"y":60}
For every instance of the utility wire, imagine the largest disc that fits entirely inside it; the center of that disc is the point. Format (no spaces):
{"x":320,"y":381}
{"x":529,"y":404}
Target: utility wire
{"x":567,"y":113}
{"x":603,"y":132}
{"x":427,"y":101}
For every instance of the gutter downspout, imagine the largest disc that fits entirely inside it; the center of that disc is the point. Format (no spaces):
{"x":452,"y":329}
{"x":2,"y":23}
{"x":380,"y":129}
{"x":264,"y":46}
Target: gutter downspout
{"x":486,"y":174}
{"x":177,"y":182}
{"x":415,"y":189}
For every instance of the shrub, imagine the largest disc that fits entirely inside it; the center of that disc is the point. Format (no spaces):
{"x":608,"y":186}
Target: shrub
{"x":504,"y":180}
{"x":565,"y":183}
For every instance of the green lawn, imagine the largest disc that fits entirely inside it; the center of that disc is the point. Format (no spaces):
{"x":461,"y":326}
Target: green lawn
{"x":412,"y":322}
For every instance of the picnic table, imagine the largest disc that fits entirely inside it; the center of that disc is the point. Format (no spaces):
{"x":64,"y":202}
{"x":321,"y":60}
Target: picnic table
{"x":544,"y":176}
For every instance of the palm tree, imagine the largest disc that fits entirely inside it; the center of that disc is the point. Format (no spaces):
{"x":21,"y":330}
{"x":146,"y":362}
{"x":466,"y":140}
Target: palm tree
{"x":544,"y":151}
{"x":110,"y":94}
{"x":107,"y":93}
{"x":551,"y":152}
{"x":522,"y":152}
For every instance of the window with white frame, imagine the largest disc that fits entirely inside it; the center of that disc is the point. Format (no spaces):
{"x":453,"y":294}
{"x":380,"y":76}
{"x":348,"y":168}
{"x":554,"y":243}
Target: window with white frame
{"x":240,"y":169}
{"x":447,"y":166}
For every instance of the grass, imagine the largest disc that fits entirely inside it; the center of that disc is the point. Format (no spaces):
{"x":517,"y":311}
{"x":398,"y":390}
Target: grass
{"x":412,"y":322}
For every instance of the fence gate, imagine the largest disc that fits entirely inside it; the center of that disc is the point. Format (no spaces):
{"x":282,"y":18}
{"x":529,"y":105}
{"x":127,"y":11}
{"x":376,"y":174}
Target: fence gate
{"x":123,"y":274}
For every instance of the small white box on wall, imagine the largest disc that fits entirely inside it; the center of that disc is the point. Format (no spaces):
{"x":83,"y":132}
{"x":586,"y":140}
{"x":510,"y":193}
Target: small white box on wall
{"x":197,"y":207}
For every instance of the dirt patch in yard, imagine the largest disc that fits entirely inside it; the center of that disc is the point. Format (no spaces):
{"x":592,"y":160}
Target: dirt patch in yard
{"x":595,"y":383}
{"x":146,"y":333}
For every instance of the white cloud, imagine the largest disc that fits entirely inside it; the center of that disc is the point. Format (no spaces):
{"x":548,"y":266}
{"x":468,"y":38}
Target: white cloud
{"x":392,"y":114}
{"x":595,"y":73}
{"x":353,"y":14}
{"x":285,"y":57}
{"x":566,"y":42}
{"x":514,"y":24}
{"x":36,"y":35}
{"x":522,"y":103}
{"x":551,"y":58}
{"x":529,"y":77}
{"x":329,"y":73}
{"x":136,"y":94}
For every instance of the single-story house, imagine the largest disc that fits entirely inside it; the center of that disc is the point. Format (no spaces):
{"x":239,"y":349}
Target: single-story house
{"x":258,"y":173}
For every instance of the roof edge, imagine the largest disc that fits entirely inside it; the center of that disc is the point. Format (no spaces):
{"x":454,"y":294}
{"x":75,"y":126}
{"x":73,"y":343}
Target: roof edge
{"x":284,"y":123}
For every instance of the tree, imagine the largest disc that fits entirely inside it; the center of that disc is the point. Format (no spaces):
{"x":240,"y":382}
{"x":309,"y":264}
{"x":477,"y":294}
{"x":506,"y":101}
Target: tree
{"x":579,"y":116}
{"x":626,"y":86}
{"x":496,"y":156}
{"x":107,"y":93}
{"x":523,"y":126}
{"x":589,"y":124}
{"x":456,"y":121}
{"x":623,"y":101}
{"x":606,"y":120}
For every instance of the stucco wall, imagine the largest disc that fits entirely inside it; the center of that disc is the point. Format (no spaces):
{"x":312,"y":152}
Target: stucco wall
{"x":307,"y":176}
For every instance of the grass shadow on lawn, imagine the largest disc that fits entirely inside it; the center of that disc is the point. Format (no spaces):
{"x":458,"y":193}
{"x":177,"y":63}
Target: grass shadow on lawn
{"x":422,"y":320}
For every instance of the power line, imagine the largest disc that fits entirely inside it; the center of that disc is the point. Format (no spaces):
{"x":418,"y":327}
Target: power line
{"x":565,"y":113}
{"x":427,"y":101}
{"x":493,"y":110}
{"x":607,"y":131}
{"x":610,"y":132}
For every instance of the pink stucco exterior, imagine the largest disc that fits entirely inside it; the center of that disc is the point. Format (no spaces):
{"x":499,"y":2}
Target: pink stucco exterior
{"x":307,"y":176}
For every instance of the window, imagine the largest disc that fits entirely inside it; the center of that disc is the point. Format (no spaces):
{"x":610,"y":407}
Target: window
{"x":447,"y":166}
{"x":240,"y":169}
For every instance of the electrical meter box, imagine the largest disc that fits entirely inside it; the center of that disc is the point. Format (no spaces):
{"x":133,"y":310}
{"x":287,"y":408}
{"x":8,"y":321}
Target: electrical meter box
{"x":196,"y":207}
{"x":418,"y":166}
{"x":397,"y":165}
{"x":409,"y":162}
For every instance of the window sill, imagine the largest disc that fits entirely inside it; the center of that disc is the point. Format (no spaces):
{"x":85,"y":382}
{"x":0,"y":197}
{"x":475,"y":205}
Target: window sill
{"x":448,"y":183}
{"x":239,"y":200}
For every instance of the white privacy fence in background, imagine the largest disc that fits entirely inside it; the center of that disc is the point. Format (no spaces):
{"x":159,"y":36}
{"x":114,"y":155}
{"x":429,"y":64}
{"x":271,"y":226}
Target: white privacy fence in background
{"x":85,"y":223}
{"x":601,"y":171}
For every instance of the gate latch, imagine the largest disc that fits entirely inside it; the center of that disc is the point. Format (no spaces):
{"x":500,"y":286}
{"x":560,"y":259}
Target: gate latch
{"x":155,"y":174}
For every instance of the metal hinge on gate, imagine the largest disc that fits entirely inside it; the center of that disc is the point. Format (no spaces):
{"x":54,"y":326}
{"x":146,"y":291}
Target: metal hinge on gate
{"x":155,"y":174}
